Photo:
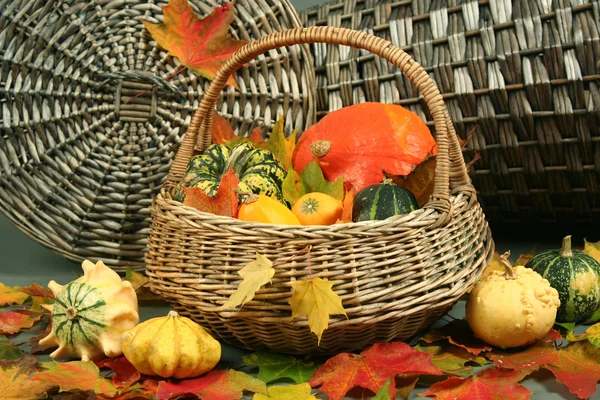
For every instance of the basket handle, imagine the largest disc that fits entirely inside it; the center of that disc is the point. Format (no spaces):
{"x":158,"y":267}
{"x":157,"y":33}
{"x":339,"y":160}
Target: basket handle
{"x":450,"y":170}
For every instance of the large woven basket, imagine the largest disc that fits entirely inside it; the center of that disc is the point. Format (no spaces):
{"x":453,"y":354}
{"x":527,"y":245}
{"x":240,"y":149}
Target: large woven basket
{"x":81,"y":156}
{"x":395,"y":276}
{"x":524,"y":74}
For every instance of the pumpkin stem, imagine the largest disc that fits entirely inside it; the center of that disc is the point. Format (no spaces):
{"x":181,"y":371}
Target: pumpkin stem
{"x":565,"y":250}
{"x":71,"y":313}
{"x":320,"y":148}
{"x":510,"y":271}
{"x":173,"y":313}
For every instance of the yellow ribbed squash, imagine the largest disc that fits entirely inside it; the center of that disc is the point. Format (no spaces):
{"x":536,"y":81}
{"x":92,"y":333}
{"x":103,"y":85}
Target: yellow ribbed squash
{"x":171,"y":347}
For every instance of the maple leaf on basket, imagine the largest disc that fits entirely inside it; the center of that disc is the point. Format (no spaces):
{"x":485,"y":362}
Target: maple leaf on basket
{"x":292,"y":392}
{"x":371,"y":369}
{"x":310,"y":180}
{"x":214,"y":385}
{"x":255,"y":275}
{"x":272,"y":367}
{"x":75,"y":375}
{"x":489,"y":384}
{"x":224,"y":203}
{"x":202,"y":45}
{"x":315,"y":299}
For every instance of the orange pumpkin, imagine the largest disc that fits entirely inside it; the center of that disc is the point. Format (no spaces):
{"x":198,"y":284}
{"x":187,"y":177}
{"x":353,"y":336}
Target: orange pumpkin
{"x":317,"y":209}
{"x":360,"y":141}
{"x":262,"y":208}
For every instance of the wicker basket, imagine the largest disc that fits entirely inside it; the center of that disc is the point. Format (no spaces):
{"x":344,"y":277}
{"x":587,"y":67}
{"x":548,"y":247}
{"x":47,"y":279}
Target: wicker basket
{"x":81,"y":157}
{"x":395,"y":276}
{"x":524,"y":74}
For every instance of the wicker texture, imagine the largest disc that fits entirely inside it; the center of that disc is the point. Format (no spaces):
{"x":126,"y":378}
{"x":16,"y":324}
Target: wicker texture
{"x":81,"y":157}
{"x":524,"y":74}
{"x":395,"y":276}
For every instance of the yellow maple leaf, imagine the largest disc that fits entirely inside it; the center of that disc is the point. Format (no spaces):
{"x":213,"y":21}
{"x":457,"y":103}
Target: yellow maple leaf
{"x":254,"y":275}
{"x":291,"y":392}
{"x":15,"y":383}
{"x":281,"y":147}
{"x":592,"y":249}
{"x":314,"y":299}
{"x":11,"y":295}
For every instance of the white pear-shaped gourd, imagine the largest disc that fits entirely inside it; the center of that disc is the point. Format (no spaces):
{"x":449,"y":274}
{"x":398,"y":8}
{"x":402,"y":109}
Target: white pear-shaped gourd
{"x":90,"y":313}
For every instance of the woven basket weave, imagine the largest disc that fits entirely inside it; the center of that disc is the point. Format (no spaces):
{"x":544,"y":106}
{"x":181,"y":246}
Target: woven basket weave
{"x":524,"y":74}
{"x":395,"y":276}
{"x":81,"y":158}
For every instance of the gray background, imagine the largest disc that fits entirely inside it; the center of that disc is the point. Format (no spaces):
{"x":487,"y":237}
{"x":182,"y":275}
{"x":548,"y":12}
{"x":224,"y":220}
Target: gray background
{"x":23,"y":261}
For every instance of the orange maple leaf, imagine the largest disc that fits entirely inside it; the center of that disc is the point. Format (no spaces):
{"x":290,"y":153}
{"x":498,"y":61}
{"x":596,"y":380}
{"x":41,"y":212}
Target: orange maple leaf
{"x":224,"y":203}
{"x":200,"y":44}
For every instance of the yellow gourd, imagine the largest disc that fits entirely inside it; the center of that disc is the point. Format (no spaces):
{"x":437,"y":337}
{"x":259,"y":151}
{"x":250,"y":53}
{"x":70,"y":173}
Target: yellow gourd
{"x":262,"y":208}
{"x":317,"y":209}
{"x":171,"y":347}
{"x":512,"y":308}
{"x":90,"y":314}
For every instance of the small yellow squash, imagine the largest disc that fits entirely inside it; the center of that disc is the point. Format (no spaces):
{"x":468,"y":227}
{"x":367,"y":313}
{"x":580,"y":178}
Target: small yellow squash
{"x":512,"y":308}
{"x":317,"y":208}
{"x":262,"y":208}
{"x":171,"y":347}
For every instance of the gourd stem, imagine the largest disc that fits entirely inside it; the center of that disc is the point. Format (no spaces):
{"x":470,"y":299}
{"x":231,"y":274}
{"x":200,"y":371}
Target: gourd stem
{"x":387,"y":181}
{"x":510,"y":271}
{"x":565,"y":250}
{"x":250,"y":197}
{"x":320,"y":148}
{"x":71,"y":313}
{"x":173,"y":313}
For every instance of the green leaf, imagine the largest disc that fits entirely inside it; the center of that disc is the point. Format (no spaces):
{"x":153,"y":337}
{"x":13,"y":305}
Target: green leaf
{"x":569,"y":326}
{"x":383,"y":392}
{"x":592,"y":334}
{"x":272,"y":367}
{"x":452,"y":360}
{"x":310,"y":180}
{"x":595,"y":317}
{"x":8,"y":351}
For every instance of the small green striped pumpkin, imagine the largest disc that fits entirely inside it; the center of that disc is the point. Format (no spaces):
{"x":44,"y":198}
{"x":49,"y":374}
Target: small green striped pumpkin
{"x":576,"y":277}
{"x":257,"y":170}
{"x":378,"y":202}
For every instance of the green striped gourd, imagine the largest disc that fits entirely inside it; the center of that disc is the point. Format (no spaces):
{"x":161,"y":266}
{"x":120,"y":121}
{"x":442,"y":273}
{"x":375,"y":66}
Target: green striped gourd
{"x":257,"y":170}
{"x":576,"y":277}
{"x":90,"y":314}
{"x":378,"y":202}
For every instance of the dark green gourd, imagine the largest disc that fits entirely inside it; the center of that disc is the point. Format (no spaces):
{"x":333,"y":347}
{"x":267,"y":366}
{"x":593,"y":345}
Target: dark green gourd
{"x":378,"y":202}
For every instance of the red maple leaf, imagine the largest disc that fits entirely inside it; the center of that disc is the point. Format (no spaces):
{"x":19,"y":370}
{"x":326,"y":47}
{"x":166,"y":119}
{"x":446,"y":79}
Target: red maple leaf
{"x":214,"y":385}
{"x":14,"y":321}
{"x":577,"y":368}
{"x":125,"y":373}
{"x":224,"y":203}
{"x":202,"y":45}
{"x":459,"y":334}
{"x":371,"y":369}
{"x":539,"y":354}
{"x":489,"y":384}
{"x":222,"y":132}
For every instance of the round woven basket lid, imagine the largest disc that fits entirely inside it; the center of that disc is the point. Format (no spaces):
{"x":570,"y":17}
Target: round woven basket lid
{"x":90,"y":119}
